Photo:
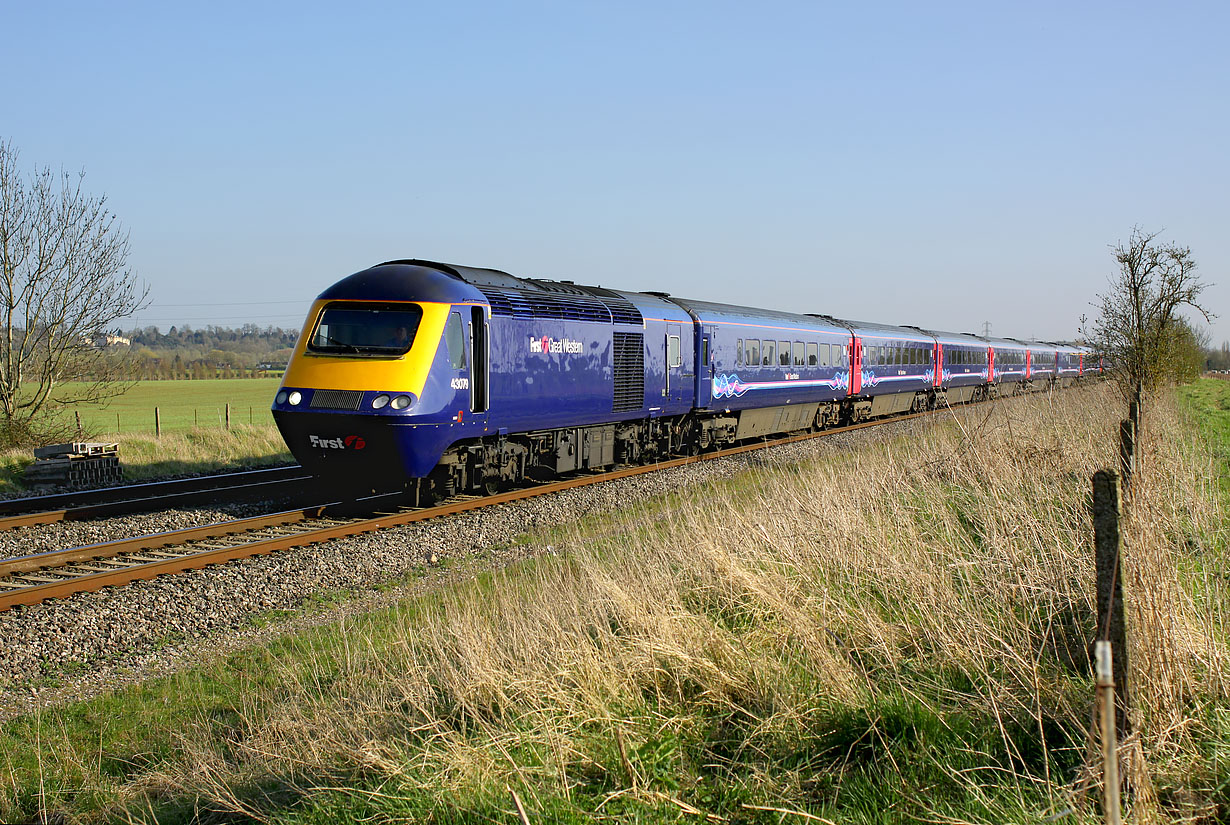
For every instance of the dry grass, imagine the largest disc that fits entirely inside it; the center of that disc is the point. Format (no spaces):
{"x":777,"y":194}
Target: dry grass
{"x":896,"y":633}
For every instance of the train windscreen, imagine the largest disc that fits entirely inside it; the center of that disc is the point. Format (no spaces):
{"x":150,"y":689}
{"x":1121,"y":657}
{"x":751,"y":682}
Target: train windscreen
{"x":366,"y":329}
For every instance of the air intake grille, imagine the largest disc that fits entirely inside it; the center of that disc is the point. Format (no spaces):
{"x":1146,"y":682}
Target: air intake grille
{"x":336,"y":399}
{"x":525,"y":304}
{"x":629,"y":362}
{"x":623,"y":311}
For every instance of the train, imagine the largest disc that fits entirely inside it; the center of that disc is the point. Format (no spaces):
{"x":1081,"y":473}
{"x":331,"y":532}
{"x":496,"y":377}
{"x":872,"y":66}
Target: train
{"x":443,"y":379}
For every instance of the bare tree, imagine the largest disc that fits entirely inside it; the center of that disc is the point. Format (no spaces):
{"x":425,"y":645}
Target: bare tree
{"x":63,"y":284}
{"x":1138,"y":323}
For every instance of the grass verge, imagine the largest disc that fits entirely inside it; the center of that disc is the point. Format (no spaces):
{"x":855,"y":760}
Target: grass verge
{"x":892,"y":635}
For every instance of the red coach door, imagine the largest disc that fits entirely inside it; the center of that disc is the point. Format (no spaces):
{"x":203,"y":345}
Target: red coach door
{"x":856,"y":365}
{"x":939,"y":363}
{"x":990,"y":365}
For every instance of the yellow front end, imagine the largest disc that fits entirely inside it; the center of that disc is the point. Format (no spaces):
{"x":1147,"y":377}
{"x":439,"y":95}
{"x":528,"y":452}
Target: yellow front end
{"x":406,"y":373}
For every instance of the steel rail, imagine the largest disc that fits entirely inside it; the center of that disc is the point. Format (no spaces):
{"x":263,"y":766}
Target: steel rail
{"x":148,"y":488}
{"x":151,"y":496}
{"x":26,"y":580}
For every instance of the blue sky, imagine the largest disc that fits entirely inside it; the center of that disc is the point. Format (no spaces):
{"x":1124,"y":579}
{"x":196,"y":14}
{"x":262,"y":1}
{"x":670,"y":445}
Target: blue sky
{"x":941,"y":164}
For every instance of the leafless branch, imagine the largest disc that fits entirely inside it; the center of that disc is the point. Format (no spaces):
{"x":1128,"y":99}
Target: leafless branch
{"x":64,"y":283}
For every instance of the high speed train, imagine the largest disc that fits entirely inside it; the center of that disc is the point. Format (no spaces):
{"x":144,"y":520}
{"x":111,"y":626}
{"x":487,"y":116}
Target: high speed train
{"x":450,"y":378}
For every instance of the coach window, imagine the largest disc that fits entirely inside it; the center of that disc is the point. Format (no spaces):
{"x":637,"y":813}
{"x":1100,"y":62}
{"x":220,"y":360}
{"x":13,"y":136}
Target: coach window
{"x":753,"y":353}
{"x":454,"y":336}
{"x":783,"y":353}
{"x":813,"y":358}
{"x":768,"y":354}
{"x":672,"y":350}
{"x":739,"y":352}
{"x":800,"y":354}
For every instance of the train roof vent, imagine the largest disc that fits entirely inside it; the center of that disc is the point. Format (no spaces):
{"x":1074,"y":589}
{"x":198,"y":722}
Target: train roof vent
{"x":534,"y":304}
{"x":623,"y":311}
{"x":562,"y":287}
{"x":500,"y":305}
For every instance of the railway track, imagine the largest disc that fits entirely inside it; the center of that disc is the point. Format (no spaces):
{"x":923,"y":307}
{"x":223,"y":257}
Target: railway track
{"x":30,"y":580}
{"x":141,"y":498}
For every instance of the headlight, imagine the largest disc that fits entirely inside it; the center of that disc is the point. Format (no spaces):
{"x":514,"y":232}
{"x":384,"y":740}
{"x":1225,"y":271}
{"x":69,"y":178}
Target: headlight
{"x":281,"y":398}
{"x":294,"y":398}
{"x":380,"y":402}
{"x":401,"y":402}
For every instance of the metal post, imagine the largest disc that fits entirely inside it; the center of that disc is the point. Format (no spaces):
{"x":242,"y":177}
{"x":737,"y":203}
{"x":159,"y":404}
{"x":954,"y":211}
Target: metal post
{"x":1110,"y":741}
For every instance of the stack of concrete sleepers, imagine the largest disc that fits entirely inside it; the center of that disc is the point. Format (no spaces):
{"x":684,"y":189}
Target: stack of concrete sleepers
{"x":76,"y":463}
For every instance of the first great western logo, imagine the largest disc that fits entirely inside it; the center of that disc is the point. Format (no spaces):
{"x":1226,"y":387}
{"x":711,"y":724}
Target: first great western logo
{"x":556,"y":346}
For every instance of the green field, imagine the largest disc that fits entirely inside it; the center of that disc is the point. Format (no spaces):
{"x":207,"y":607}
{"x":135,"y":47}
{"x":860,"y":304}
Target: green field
{"x":182,"y":405}
{"x":1208,"y":400}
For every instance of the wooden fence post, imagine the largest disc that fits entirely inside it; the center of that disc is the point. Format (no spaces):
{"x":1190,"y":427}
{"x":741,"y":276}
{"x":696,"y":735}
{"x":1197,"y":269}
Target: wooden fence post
{"x":77,"y":414}
{"x":157,"y":424}
{"x":1134,"y":407}
{"x":1108,"y":546}
{"x":228,"y":415}
{"x":1127,"y":452}
{"x":117,"y":423}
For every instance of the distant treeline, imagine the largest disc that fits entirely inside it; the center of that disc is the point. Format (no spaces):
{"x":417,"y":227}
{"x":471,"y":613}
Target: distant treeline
{"x":1218,"y":359}
{"x":212,"y":352}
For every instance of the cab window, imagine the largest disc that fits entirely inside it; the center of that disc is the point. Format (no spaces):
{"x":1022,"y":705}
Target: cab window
{"x":365,"y":329}
{"x":455,"y":339}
